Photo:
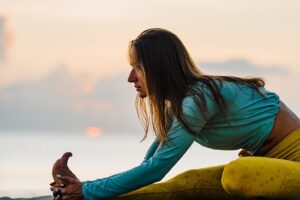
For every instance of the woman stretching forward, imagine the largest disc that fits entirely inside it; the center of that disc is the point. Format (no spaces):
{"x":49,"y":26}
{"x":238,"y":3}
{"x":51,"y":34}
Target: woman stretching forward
{"x":219,"y":112}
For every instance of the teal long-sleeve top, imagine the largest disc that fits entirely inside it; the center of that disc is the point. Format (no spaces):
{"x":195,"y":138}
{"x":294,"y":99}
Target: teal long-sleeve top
{"x":251,"y":119}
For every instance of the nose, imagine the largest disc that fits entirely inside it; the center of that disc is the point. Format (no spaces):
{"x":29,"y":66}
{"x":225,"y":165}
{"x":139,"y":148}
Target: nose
{"x":132,"y":76}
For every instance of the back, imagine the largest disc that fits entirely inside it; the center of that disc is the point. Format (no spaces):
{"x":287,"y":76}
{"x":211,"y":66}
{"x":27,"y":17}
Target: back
{"x":251,"y":118}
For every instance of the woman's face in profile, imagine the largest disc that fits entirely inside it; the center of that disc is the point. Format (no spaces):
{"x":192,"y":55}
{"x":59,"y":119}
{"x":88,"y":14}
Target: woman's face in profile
{"x":136,"y":77}
{"x":136,"y":74}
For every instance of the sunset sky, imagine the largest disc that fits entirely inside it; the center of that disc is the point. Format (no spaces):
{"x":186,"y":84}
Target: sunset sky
{"x":90,"y":37}
{"x":73,"y":45}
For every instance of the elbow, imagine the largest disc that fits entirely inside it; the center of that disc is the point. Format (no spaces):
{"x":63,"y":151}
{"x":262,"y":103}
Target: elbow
{"x":155,"y":179}
{"x":158,"y":170}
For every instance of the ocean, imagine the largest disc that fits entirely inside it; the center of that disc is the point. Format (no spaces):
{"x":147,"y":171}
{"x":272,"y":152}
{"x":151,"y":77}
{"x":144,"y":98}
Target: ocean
{"x":26,"y":158}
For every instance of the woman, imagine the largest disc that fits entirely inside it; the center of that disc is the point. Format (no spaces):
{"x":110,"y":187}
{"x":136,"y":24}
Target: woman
{"x":219,"y":112}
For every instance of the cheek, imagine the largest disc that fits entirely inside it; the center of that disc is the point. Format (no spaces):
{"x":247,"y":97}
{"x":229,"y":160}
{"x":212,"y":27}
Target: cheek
{"x":140,"y":76}
{"x":140,"y":79}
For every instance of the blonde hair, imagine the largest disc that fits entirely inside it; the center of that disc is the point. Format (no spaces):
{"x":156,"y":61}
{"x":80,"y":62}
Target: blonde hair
{"x":169,"y":74}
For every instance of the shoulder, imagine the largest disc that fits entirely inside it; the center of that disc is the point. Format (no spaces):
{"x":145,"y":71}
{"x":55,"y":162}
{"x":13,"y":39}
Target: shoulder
{"x":199,"y":101}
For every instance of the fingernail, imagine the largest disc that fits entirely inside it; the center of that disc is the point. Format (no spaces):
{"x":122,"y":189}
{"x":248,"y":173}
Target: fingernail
{"x":62,"y":185}
{"x":58,"y":175}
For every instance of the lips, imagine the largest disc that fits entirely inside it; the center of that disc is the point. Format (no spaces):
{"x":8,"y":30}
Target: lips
{"x":138,"y":88}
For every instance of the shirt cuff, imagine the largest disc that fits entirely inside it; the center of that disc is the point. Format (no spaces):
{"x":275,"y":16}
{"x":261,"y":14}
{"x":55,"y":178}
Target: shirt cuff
{"x":84,"y":190}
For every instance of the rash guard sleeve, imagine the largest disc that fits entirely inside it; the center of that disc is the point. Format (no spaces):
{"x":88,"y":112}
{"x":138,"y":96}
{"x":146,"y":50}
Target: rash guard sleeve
{"x":151,"y":150}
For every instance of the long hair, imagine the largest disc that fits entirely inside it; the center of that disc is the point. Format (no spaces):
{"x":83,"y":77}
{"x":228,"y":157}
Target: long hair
{"x":169,"y":74}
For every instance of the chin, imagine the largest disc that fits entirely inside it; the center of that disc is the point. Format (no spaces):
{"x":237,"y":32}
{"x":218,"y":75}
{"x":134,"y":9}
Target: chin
{"x":142,"y":95}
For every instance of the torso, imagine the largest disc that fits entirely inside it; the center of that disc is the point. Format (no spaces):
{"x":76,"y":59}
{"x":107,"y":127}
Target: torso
{"x":254,"y":119}
{"x":285,"y":122}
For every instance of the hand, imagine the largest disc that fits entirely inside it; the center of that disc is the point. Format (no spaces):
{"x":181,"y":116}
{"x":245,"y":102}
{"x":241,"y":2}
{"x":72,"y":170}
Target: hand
{"x":70,"y":189}
{"x":244,"y":153}
{"x":55,"y":190}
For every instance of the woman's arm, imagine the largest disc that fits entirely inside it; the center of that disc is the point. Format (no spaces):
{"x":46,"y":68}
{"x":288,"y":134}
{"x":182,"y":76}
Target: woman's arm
{"x":155,"y":167}
{"x":149,"y":171}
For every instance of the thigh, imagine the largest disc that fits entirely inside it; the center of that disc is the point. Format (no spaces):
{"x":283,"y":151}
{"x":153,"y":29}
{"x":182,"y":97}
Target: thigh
{"x":198,"y":184}
{"x":262,"y":177}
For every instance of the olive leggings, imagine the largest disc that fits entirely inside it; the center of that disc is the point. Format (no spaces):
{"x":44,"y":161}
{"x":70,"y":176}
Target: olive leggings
{"x":274,"y":176}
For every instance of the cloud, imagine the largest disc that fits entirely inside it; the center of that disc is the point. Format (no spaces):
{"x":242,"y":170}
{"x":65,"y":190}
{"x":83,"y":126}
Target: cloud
{"x":241,"y":66}
{"x":6,"y":38}
{"x":60,"y":102}
{"x":2,"y":38}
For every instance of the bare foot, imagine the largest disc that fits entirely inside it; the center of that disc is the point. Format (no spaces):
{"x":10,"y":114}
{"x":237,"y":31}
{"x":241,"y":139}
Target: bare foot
{"x":61,"y":167}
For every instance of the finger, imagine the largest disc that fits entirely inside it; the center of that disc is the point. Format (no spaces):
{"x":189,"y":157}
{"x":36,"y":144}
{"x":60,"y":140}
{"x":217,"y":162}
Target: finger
{"x":56,"y":192}
{"x":53,"y":183}
{"x":65,"y":197}
{"x":53,"y":188}
{"x":58,"y":197}
{"x":63,"y":191}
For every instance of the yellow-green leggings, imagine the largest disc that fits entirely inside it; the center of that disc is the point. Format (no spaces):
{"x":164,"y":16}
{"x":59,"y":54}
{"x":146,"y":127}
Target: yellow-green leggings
{"x":274,"y":176}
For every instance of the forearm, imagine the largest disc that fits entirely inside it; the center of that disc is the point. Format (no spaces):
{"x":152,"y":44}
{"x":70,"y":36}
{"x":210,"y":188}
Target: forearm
{"x":144,"y":174}
{"x":157,"y":163}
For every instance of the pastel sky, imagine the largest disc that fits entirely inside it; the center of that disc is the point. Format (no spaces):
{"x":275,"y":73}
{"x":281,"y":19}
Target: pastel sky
{"x":90,"y":37}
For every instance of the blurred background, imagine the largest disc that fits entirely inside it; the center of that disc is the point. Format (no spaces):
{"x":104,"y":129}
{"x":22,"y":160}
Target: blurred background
{"x":63,"y":77}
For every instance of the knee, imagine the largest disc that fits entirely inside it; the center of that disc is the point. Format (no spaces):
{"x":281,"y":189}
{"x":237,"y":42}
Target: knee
{"x":239,"y":176}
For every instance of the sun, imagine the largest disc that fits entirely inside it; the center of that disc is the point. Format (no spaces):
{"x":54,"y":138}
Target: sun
{"x":93,"y":131}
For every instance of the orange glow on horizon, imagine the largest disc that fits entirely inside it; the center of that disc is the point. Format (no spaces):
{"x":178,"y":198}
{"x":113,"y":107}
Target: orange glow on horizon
{"x":87,"y":87}
{"x":93,"y":132}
